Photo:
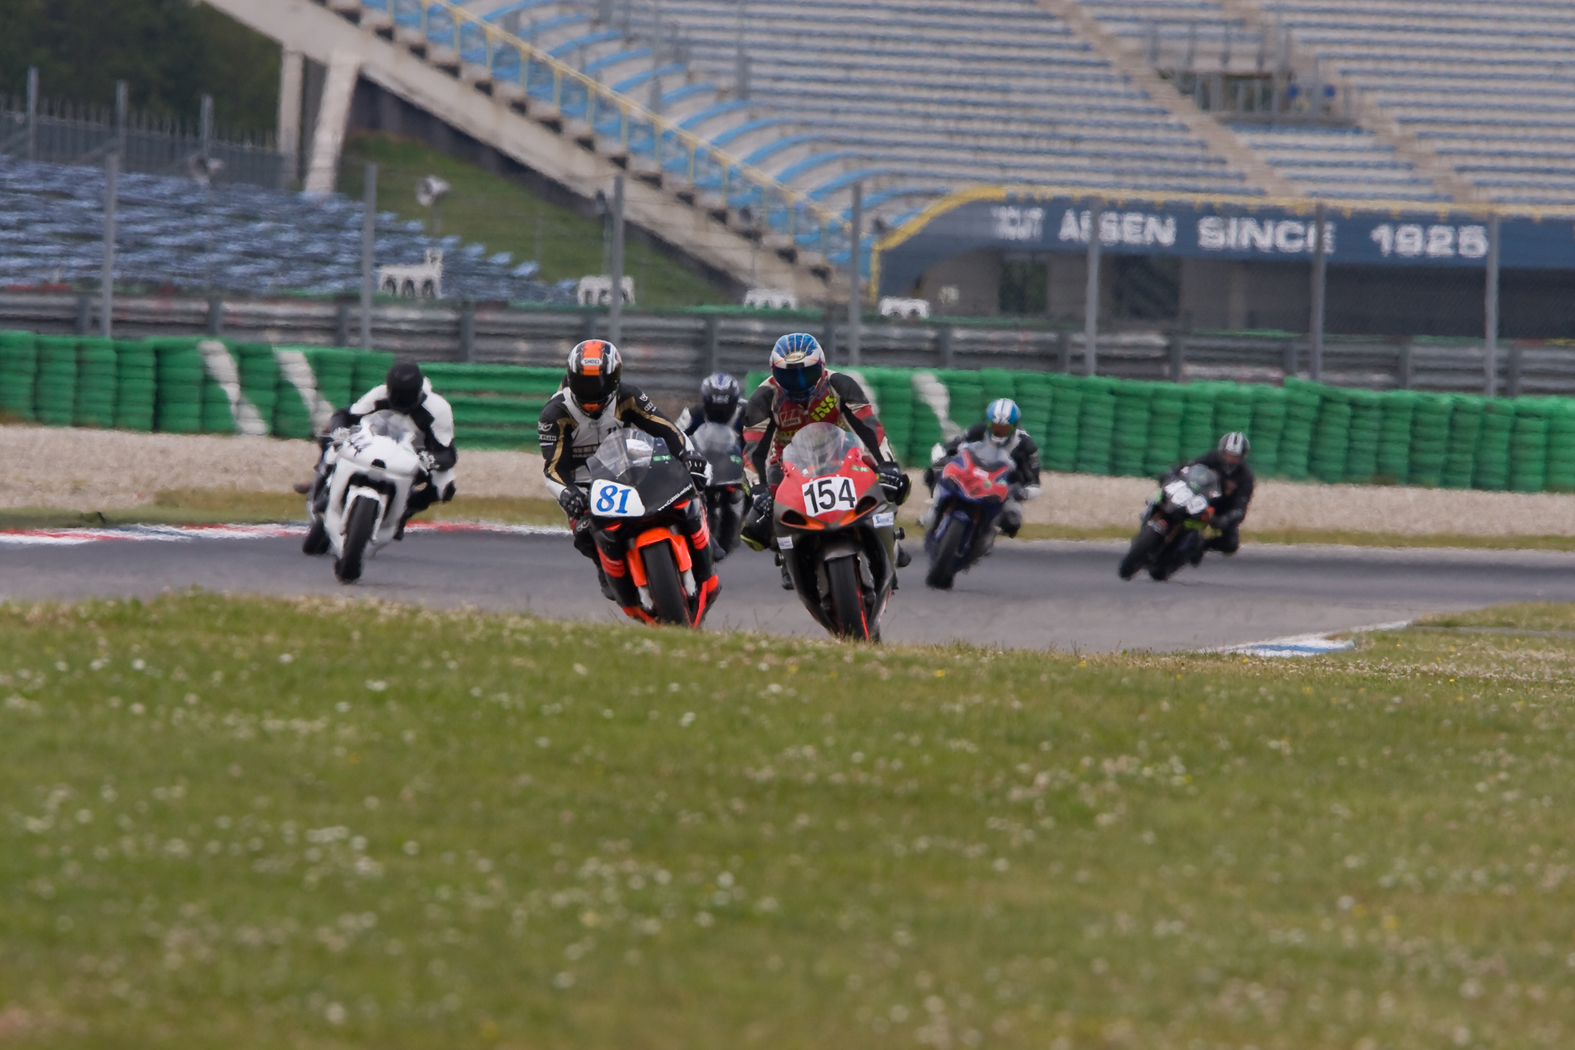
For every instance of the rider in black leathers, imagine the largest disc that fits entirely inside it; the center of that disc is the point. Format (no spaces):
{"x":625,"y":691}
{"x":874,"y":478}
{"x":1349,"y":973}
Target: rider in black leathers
{"x":1229,"y":461}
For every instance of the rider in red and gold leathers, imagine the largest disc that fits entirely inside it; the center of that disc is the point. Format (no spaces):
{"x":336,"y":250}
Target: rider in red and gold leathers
{"x":800,"y":391}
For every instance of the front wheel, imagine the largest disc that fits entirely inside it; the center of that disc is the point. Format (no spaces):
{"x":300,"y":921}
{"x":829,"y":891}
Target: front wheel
{"x":847,"y":601}
{"x":948,"y":554}
{"x":1144,"y":546}
{"x":667,"y":591}
{"x":359,"y":525}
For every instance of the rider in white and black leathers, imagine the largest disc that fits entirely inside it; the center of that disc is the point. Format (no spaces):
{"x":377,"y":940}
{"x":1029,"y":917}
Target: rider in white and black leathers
{"x":999,"y":427}
{"x":407,"y":391}
{"x":721,"y":401}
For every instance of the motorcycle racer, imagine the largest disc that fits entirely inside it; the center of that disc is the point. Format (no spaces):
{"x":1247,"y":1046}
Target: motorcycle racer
{"x":1000,"y":428}
{"x":407,"y":391}
{"x":802,"y":390}
{"x":721,"y":401}
{"x":594,"y":401}
{"x":1229,"y":460}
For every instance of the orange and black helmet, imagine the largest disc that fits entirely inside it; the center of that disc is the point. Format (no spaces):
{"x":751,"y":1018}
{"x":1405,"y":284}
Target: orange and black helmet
{"x":595,"y":368}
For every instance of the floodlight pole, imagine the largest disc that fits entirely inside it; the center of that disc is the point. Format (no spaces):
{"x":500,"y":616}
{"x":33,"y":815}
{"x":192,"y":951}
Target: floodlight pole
{"x":855,"y":292}
{"x":615,"y":299}
{"x":1490,"y":303}
{"x":32,"y":113}
{"x":1091,"y":295}
{"x":368,"y":243}
{"x":107,"y":278}
{"x":1320,"y":270}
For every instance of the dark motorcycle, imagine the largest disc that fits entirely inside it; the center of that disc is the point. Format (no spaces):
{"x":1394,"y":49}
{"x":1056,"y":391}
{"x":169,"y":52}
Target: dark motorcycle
{"x":725,"y":486}
{"x":1174,"y":523}
{"x":969,"y":496}
{"x":640,"y":497}
{"x":836,"y":531}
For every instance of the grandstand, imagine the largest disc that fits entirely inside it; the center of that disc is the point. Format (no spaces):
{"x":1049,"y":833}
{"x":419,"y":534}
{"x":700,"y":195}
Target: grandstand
{"x":236,"y":238}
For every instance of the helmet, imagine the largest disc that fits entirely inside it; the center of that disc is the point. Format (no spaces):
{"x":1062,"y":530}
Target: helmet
{"x":719,"y":393}
{"x":595,"y":367}
{"x":798,"y":364}
{"x":405,"y":384}
{"x":1235,"y":447}
{"x":1002,"y":415}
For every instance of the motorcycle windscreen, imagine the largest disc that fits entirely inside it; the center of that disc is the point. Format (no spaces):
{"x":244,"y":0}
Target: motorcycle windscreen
{"x":395,"y":426}
{"x":719,"y":445}
{"x":634,"y":475}
{"x":819,"y":449}
{"x":988,"y":456}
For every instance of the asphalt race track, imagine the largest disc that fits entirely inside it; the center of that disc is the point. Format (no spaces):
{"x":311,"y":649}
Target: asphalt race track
{"x":1034,"y":595}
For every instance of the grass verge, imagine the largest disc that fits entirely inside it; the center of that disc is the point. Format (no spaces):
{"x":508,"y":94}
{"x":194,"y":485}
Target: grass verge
{"x":225,"y":506}
{"x":332,"y":823}
{"x":483,"y":208}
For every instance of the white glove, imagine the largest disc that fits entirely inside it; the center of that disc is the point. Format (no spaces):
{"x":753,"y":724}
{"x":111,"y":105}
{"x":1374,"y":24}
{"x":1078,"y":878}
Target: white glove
{"x":339,"y":435}
{"x":428,"y":464}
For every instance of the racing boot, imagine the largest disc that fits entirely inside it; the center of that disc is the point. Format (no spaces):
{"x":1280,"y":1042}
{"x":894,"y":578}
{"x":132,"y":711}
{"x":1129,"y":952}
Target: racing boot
{"x":1198,"y":550}
{"x":787,"y":579}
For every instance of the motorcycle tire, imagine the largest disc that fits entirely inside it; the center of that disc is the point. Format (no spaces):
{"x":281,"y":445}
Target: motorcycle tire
{"x":943,"y":567}
{"x":1139,"y":554}
{"x":316,"y":541}
{"x":667,"y":591}
{"x":359,"y":523}
{"x":847,"y":601}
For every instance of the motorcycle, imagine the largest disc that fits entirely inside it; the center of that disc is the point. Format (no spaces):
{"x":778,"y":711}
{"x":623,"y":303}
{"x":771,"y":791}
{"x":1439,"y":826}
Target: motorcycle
{"x":1173,"y":523}
{"x":969,"y":496}
{"x":836,"y":531}
{"x":374,"y":467}
{"x":725,"y":483}
{"x":639,"y":496}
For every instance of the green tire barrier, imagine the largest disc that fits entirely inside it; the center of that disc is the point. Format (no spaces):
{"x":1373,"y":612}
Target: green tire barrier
{"x":1367,"y":420}
{"x":97,"y":367}
{"x":495,"y":406}
{"x":1395,"y":426}
{"x":1267,"y":429}
{"x":1528,"y":446}
{"x":1167,"y":407}
{"x":1561,"y":445}
{"x":136,"y":385}
{"x":1430,"y":438}
{"x":1465,"y":429}
{"x":1096,"y":426}
{"x":55,"y":387}
{"x":1058,"y":449}
{"x":18,"y":374}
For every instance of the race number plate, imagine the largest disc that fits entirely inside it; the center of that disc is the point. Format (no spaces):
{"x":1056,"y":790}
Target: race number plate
{"x":1179,"y":492}
{"x":825,"y":495}
{"x":612,"y":500}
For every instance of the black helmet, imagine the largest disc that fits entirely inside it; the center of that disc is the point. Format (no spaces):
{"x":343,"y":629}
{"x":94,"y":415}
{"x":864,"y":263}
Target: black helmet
{"x":595,"y":369}
{"x":719,"y":393}
{"x":405,"y":383}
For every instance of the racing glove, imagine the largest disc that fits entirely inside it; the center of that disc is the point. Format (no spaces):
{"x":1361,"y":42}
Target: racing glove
{"x":573,"y":502}
{"x":896,"y":483}
{"x":699,"y":469}
{"x":584,"y":537}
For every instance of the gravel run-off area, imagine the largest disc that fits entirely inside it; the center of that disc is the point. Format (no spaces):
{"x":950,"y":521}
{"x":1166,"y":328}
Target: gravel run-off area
{"x":87,"y":470}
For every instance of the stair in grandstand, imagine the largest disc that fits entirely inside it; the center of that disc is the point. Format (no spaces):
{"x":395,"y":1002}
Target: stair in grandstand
{"x":560,"y":89}
{"x":1319,"y":129}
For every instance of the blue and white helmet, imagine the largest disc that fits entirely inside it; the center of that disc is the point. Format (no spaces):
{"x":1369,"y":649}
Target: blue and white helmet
{"x":798,"y":364}
{"x":1002,"y":414}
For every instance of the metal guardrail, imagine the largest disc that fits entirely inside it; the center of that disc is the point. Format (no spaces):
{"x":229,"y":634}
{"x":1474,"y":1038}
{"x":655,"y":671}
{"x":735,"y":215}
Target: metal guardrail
{"x":507,"y":58}
{"x":670,"y":353}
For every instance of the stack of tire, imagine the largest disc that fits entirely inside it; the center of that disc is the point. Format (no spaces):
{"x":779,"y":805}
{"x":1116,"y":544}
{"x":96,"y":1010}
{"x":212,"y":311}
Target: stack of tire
{"x":495,"y":406}
{"x":1465,"y":429}
{"x":1490,"y":470}
{"x":1367,"y":421}
{"x":1268,"y":428}
{"x":1331,"y":440}
{"x":895,"y":394}
{"x":136,"y":385}
{"x":1058,"y":449}
{"x":1233,"y":411}
{"x":18,"y":374}
{"x":967,"y":396}
{"x":368,"y":370}
{"x":1398,"y":411}
{"x":1166,"y":407}
{"x":1430,"y":428}
{"x":1096,"y":426}
{"x":1561,"y":445}
{"x":1528,"y":445}
{"x":1302,"y":404}
{"x":181,"y":375}
{"x":259,"y":372}
{"x":334,"y":368}
{"x":96,"y":368}
{"x":292,"y":414}
{"x":1036,"y":398}
{"x":55,"y":392}
{"x":1197,"y":420}
{"x":1129,"y":437}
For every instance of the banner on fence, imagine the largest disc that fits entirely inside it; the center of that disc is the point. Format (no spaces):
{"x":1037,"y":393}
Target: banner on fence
{"x":1214,"y":228}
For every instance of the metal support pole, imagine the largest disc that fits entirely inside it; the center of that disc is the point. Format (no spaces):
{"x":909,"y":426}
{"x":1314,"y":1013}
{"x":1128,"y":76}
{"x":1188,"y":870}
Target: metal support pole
{"x":1407,"y":366}
{"x":206,"y":121}
{"x":1063,"y":351}
{"x":215,"y":324}
{"x":713,"y":344}
{"x":107,"y":278}
{"x":32,"y":113}
{"x":944,"y":337}
{"x":467,"y":330}
{"x":1320,"y":271}
{"x":615,"y":307}
{"x":1091,"y":296}
{"x":855,"y":293}
{"x":1178,"y":356}
{"x":1490,"y":304}
{"x":368,"y":244}
{"x":84,"y":324}
{"x":122,"y":114}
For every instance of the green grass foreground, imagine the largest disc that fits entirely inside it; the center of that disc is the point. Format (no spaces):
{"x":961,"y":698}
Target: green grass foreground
{"x":329,"y":823}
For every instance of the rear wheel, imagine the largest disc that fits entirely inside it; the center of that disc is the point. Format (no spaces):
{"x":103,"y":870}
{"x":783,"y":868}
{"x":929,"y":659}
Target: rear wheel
{"x":661,"y":578}
{"x":359,"y":523}
{"x":1144,"y":546}
{"x":847,"y":602}
{"x":943,"y":567}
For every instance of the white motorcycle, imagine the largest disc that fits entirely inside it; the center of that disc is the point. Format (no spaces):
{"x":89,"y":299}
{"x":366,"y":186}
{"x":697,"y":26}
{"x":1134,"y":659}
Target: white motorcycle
{"x":373,"y":469}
